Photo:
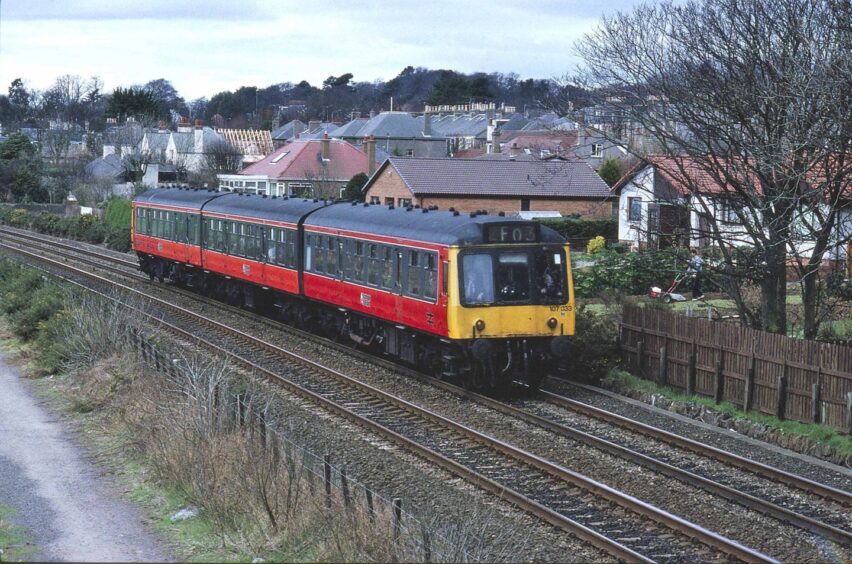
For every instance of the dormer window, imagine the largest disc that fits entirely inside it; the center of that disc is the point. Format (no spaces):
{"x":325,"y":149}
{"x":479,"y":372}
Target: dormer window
{"x":597,"y":150}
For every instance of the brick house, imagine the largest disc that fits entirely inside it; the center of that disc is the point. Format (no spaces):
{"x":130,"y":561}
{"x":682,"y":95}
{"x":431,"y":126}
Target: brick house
{"x":513,"y":187}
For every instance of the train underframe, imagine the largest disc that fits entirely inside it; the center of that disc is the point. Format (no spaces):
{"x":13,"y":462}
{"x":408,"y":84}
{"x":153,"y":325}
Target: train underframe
{"x":493,"y":365}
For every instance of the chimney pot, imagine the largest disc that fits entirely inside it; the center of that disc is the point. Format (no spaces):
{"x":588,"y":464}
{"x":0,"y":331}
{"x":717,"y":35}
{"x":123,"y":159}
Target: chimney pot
{"x":198,"y":124}
{"x":326,"y":147}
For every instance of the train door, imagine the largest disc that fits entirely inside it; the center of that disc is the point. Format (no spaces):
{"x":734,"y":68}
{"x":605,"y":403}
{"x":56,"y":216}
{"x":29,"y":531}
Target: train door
{"x":398,"y":272}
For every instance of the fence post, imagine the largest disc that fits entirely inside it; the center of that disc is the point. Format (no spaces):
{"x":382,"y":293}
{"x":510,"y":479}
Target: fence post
{"x":344,"y":485}
{"x":815,"y":399}
{"x":781,"y":400}
{"x":849,"y":412}
{"x":749,"y":383}
{"x":662,"y":378}
{"x":326,"y":464}
{"x":427,"y":545}
{"x":690,"y":370}
{"x":718,"y":378}
{"x":371,"y":511}
{"x":397,"y":521}
{"x":640,"y":352}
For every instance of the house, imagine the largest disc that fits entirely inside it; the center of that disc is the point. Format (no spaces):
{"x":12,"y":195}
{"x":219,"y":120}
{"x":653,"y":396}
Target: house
{"x":318,"y":168}
{"x":462,"y":132}
{"x":655,"y":207}
{"x":397,"y":133}
{"x":188,"y":147}
{"x":514,"y":187}
{"x":155,"y":143}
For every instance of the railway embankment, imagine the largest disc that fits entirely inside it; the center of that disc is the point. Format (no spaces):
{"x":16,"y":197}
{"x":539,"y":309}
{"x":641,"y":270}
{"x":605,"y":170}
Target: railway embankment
{"x":180,"y":429}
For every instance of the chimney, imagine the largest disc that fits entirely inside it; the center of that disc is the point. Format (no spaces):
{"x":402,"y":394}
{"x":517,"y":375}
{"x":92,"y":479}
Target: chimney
{"x":297,"y":129}
{"x":161,"y":126}
{"x":276,"y":123}
{"x":427,"y":124}
{"x":372,"y":114}
{"x":183,"y":126}
{"x":326,"y":147}
{"x":370,"y":149}
{"x":514,"y":151}
{"x":313,"y":124}
{"x":198,"y":124}
{"x":108,"y":150}
{"x":495,"y":142}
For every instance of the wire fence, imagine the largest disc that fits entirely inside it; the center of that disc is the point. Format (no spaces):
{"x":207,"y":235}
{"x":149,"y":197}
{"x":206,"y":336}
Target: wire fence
{"x":411,"y":534}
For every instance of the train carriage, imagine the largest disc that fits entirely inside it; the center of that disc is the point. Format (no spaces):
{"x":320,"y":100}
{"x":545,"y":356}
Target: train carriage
{"x":487,"y":299}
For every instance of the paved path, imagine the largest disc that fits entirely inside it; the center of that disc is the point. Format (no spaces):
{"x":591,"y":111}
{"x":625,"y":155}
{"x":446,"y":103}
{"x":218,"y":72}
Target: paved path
{"x":71,"y":508}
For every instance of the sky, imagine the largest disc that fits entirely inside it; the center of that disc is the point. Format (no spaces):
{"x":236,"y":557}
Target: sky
{"x":207,"y":46}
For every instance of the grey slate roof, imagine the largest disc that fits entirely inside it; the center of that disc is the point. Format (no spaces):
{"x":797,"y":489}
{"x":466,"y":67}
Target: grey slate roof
{"x":110,"y":166}
{"x":157,"y":140}
{"x":457,"y":126}
{"x":350,"y":129}
{"x":395,"y":125}
{"x":477,"y":177}
{"x":517,"y":121}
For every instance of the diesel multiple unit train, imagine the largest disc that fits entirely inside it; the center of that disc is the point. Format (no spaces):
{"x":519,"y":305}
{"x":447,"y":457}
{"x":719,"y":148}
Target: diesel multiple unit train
{"x":484,"y":299}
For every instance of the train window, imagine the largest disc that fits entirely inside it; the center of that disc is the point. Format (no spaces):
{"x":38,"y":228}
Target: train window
{"x":415,"y":274}
{"x":308,"y":253}
{"x":252,"y":241}
{"x":331,"y":264}
{"x":291,"y":248}
{"x":513,"y":278}
{"x":445,"y":277}
{"x":550,"y":279}
{"x":430,"y":276}
{"x":359,"y":262}
{"x":387,"y":268}
{"x":180,"y":227}
{"x":478,"y":272}
{"x":348,"y":259}
{"x":373,"y":265}
{"x":319,"y":258}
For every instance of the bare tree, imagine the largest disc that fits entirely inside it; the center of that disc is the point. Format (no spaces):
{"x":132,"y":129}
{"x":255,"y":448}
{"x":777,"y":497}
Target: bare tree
{"x":754,"y":95}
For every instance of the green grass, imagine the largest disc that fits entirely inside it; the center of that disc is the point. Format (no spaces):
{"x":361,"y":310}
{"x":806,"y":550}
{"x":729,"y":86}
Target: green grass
{"x":15,"y":542}
{"x":817,"y":433}
{"x":821,"y":434}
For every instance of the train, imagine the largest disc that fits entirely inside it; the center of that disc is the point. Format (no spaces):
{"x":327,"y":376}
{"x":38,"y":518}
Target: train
{"x":485,"y":300}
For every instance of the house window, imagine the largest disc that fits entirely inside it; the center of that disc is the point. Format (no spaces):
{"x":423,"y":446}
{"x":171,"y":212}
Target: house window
{"x":634,"y":209}
{"x":597,"y":150}
{"x":409,"y":153}
{"x":727,"y":212}
{"x":525,"y":204}
{"x":404,"y":202}
{"x":375,"y":200}
{"x":388,"y":201}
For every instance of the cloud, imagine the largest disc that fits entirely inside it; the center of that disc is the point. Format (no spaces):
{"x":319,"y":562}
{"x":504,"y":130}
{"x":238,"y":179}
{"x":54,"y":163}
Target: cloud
{"x":135,"y":10}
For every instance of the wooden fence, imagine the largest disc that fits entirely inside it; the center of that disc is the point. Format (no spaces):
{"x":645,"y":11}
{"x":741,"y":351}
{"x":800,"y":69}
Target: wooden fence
{"x":790,"y":378}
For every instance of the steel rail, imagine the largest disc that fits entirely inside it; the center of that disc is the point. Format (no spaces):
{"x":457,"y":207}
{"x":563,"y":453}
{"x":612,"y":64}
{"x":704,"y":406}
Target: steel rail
{"x":637,"y":506}
{"x":822,"y":490}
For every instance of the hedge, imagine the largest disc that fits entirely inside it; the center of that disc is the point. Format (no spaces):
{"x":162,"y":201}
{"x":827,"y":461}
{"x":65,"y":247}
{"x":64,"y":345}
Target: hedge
{"x":573,"y":228}
{"x":89,"y":228}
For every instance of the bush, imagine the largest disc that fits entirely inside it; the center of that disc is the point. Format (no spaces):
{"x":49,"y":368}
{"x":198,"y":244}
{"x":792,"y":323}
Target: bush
{"x":630,"y":273}
{"x":838,"y":285}
{"x":596,"y":245}
{"x":117,"y":213}
{"x":41,"y":305}
{"x":595,"y":351}
{"x":118,"y":239}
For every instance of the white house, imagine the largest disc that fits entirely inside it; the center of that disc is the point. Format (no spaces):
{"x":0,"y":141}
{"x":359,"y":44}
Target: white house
{"x":656,"y":208}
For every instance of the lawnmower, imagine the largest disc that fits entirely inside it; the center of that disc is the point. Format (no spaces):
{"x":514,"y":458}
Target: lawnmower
{"x":669,"y":296}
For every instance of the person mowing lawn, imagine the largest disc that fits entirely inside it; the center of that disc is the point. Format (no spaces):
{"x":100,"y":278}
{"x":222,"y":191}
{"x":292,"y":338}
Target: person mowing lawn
{"x":696,"y":265}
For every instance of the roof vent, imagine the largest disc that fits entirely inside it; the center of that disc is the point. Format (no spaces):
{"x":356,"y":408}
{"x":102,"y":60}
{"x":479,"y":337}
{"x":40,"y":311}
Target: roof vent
{"x":433,"y":207}
{"x":366,"y":204}
{"x":502,"y":214}
{"x":425,"y":210}
{"x":409,"y":208}
{"x":264,"y":195}
{"x":354,"y":203}
{"x":417,"y":207}
{"x":452,"y":209}
{"x":390,"y":206}
{"x":455,"y":212}
{"x":472,"y":214}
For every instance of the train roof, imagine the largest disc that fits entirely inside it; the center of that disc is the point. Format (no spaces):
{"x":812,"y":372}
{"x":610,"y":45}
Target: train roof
{"x":191,"y":198}
{"x":284,"y":209}
{"x":432,"y":226}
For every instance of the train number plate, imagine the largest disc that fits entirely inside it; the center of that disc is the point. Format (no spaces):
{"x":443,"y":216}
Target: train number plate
{"x":246,"y":269}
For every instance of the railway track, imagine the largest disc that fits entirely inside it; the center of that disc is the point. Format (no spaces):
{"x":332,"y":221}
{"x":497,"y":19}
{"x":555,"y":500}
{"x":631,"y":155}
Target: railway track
{"x":622,"y":525}
{"x":726,"y":475}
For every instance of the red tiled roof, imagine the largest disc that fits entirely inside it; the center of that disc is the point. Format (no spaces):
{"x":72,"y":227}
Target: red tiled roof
{"x":302,"y":159}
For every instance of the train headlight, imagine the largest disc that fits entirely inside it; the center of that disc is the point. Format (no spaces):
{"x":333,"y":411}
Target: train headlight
{"x":552,"y":323}
{"x":480,"y":325}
